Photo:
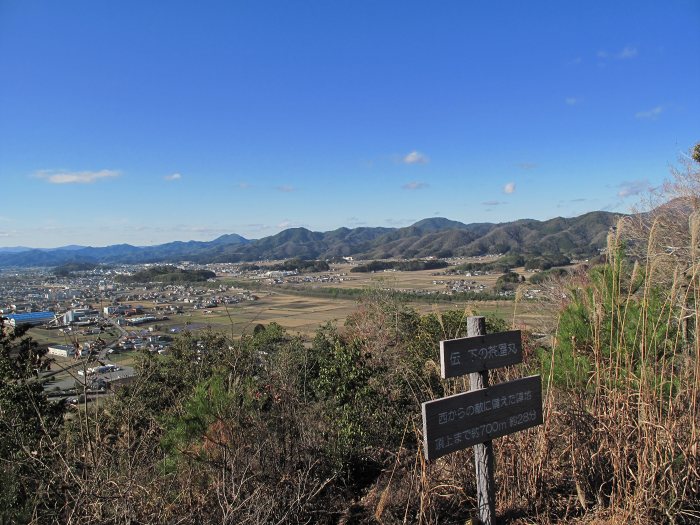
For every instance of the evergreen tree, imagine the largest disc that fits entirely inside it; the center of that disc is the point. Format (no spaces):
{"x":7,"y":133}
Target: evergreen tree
{"x":28,"y":425}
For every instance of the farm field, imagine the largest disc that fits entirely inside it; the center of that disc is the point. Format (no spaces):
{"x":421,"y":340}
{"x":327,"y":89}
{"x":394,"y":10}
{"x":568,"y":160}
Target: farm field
{"x":48,"y":337}
{"x":303,"y":315}
{"x":288,"y":306}
{"x":418,"y":280}
{"x":297,"y":313}
{"x":293,"y":305}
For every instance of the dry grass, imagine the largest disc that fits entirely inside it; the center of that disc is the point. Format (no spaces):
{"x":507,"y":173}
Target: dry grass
{"x":619,"y":443}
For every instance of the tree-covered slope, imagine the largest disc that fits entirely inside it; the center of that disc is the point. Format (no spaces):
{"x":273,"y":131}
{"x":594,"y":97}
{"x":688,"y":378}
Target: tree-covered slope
{"x":437,"y":236}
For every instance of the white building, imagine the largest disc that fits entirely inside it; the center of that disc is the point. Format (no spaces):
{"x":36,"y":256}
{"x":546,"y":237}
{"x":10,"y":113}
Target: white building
{"x":62,"y":350}
{"x":80,"y":315}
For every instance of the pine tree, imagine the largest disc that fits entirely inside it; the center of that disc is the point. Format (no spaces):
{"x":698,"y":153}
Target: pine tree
{"x":29,"y":424}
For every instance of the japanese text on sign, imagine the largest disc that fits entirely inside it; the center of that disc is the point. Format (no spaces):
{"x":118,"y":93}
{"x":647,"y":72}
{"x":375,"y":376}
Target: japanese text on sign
{"x":475,"y":354}
{"x":456,"y":422}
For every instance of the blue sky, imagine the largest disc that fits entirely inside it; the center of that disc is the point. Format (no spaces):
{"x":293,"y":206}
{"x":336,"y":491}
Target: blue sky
{"x":147,"y":122}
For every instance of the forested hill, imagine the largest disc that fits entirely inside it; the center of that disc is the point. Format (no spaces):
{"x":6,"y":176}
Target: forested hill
{"x":577,"y":236}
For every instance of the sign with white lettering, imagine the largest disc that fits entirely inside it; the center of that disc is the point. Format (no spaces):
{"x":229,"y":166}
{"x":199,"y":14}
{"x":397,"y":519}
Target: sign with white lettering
{"x":462,"y":420}
{"x":479,"y":353}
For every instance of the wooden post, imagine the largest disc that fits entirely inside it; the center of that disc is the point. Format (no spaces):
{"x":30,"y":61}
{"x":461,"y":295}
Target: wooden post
{"x":474,"y":418}
{"x":483,"y":452}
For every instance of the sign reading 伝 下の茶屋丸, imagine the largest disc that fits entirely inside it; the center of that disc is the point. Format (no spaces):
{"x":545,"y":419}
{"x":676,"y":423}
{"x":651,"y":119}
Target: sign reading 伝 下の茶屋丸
{"x":481,"y":352}
{"x":462,"y":420}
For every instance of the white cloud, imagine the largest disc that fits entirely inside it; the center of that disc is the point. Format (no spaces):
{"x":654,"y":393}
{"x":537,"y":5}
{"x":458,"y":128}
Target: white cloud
{"x":492,"y":203}
{"x":571,"y":101}
{"x":527,"y":165}
{"x":399,"y":222}
{"x":625,"y":53}
{"x":174,"y":176}
{"x":75,"y":177}
{"x":415,"y":157}
{"x":286,"y":188}
{"x":355,"y":221}
{"x":612,"y":206}
{"x":509,"y":188}
{"x":256,"y":227}
{"x":243,"y":185}
{"x":651,"y":114}
{"x":414,"y":185}
{"x":632,"y":188}
{"x":193,"y":228}
{"x":289,"y":224}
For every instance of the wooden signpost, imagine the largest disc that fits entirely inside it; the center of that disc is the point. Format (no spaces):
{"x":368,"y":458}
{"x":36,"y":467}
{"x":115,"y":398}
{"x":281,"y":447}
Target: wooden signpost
{"x":486,"y":412}
{"x":463,"y":420}
{"x":479,"y":353}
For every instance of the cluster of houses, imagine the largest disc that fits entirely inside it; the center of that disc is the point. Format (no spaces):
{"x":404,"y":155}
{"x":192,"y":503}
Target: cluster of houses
{"x":460,"y":286}
{"x":294,"y":278}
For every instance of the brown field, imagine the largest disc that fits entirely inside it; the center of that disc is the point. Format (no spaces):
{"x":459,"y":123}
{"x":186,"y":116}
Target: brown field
{"x":48,"y":337}
{"x":298,"y":314}
{"x":303,"y":314}
{"x":421,"y":280}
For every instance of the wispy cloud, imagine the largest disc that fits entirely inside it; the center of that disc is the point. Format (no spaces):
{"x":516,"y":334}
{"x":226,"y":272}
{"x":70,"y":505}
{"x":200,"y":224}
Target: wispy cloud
{"x":572,"y":101}
{"x":198,"y":229}
{"x":243,"y":186}
{"x":415,"y":157}
{"x":613,"y":206}
{"x":415,"y":185}
{"x":632,"y":188}
{"x":285,"y":188}
{"x":355,"y":221}
{"x":527,"y":165}
{"x":493,"y":203}
{"x":75,"y":177}
{"x":651,"y":114}
{"x":256,"y":226}
{"x":399,"y":222}
{"x":509,"y":188}
{"x":174,"y":176}
{"x":625,"y":53}
{"x":566,"y":203}
{"x":289,"y":224}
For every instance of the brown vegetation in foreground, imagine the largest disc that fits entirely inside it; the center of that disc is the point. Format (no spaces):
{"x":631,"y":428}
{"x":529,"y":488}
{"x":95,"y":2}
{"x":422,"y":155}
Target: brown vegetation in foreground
{"x":269,"y":430}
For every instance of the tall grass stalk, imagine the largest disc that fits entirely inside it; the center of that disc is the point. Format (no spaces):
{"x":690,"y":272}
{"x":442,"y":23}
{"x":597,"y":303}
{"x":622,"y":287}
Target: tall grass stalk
{"x":634,"y":448}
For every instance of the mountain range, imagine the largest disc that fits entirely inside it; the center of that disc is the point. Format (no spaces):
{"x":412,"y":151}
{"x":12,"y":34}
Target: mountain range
{"x":438,"y":237}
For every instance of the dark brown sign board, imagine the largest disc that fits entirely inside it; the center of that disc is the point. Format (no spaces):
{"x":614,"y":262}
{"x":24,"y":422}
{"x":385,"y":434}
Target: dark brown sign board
{"x":479,"y":353}
{"x":463,"y":420}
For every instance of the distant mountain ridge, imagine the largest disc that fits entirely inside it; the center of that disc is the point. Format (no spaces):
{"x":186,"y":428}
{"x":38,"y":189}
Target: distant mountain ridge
{"x":19,"y":249}
{"x":436,"y":236}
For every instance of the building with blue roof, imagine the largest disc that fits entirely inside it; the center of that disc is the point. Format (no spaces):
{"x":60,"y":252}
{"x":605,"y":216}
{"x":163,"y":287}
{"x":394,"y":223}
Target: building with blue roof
{"x":30,"y":318}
